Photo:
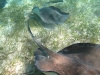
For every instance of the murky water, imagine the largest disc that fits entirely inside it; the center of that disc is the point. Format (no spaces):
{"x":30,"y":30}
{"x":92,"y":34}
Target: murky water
{"x":16,"y":45}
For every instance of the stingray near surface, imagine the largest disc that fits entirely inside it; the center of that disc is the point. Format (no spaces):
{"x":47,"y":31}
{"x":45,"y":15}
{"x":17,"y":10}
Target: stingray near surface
{"x":49,"y":15}
{"x":76,"y":59}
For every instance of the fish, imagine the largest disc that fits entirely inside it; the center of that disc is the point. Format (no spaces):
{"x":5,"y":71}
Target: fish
{"x":50,"y":15}
{"x":71,"y":60}
{"x":2,"y":3}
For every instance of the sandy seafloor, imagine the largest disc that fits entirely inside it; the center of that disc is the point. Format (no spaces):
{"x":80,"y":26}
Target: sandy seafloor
{"x":16,"y":45}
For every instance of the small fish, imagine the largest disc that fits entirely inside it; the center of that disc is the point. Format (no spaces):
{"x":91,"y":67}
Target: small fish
{"x":68,"y":63}
{"x":51,"y":15}
{"x":2,"y":3}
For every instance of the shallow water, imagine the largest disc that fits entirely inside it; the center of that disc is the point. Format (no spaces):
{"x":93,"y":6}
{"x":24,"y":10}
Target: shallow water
{"x":16,"y":45}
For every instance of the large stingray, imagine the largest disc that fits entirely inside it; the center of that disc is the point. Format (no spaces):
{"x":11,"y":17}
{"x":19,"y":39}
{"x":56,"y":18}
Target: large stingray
{"x":76,"y":59}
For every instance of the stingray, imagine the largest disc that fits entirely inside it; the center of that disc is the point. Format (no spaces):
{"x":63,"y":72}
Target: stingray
{"x":48,"y":16}
{"x":2,"y":3}
{"x":76,"y":59}
{"x":51,"y":14}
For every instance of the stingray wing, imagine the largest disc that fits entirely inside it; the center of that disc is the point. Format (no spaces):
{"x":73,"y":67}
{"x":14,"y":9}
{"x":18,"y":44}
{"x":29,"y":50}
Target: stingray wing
{"x":88,"y":52}
{"x":78,"y":48}
{"x":58,"y":10}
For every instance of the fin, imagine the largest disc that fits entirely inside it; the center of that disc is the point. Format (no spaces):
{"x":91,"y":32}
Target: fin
{"x":87,"y":52}
{"x":78,"y":48}
{"x":36,"y":10}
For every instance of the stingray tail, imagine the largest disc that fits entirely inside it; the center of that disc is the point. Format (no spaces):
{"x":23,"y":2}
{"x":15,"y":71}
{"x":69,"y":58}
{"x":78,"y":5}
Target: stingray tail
{"x":45,"y":50}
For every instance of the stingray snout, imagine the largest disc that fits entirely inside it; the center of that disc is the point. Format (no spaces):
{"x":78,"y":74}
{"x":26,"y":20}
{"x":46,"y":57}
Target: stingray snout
{"x":40,"y":53}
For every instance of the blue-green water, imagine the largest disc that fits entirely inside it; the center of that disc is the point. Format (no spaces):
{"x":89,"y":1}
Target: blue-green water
{"x":16,"y":45}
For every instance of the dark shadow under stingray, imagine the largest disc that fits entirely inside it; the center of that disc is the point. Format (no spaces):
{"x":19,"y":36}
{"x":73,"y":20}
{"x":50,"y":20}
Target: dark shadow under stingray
{"x":76,"y":59}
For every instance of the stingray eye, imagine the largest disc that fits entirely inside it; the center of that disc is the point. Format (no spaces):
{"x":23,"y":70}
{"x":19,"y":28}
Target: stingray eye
{"x":39,"y":57}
